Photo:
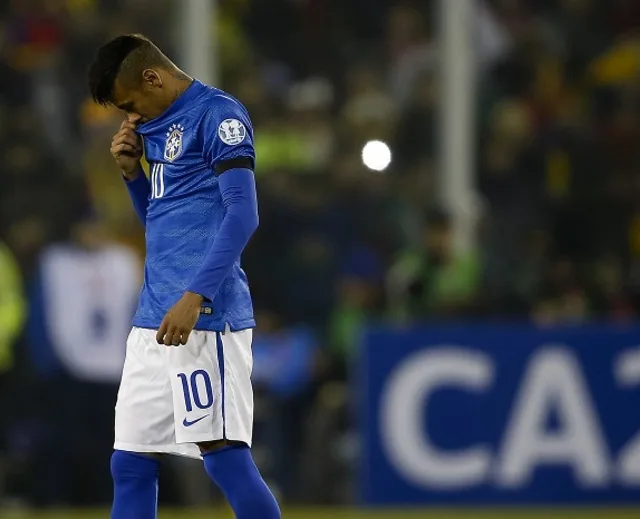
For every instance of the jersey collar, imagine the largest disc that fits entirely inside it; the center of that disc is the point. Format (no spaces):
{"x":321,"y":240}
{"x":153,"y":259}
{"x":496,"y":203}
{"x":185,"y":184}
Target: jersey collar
{"x":187,"y":97}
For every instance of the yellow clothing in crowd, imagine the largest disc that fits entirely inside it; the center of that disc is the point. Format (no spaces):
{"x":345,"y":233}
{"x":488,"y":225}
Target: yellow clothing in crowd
{"x":12,"y":306}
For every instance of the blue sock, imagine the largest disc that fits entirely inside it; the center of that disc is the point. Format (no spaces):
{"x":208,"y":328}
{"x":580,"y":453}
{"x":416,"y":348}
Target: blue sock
{"x":234,"y":471}
{"x":135,"y":486}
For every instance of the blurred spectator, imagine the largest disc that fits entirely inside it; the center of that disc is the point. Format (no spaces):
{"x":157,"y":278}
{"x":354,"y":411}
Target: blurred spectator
{"x":12,"y":316}
{"x":284,"y":371}
{"x":87,"y":293}
{"x":12,"y":306}
{"x":358,"y":300}
{"x":562,"y":297}
{"x":434,"y":279}
{"x":82,"y":302}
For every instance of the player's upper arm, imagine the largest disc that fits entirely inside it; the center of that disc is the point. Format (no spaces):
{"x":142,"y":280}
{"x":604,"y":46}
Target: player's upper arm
{"x":227,"y":136}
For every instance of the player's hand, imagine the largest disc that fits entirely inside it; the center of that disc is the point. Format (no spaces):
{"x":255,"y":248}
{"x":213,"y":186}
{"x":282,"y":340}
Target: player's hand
{"x":178,"y":324}
{"x":126,"y":148}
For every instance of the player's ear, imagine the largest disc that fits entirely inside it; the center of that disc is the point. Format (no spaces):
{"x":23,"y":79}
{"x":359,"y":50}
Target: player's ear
{"x":151,"y":78}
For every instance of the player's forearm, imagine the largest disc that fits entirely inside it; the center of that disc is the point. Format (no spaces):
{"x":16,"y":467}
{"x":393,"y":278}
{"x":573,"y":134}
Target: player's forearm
{"x":240,"y":222}
{"x":139,"y":191}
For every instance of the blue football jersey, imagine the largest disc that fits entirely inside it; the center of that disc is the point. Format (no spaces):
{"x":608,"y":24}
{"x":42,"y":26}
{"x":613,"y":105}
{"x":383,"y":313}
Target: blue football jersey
{"x":203,"y":127}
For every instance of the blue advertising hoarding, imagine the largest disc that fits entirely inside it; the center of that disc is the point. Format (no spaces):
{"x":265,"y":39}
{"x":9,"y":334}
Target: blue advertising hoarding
{"x":500,"y":414}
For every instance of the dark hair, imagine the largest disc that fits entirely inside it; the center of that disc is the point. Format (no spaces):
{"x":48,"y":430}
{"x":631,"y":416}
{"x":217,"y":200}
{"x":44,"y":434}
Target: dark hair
{"x":126,"y":55}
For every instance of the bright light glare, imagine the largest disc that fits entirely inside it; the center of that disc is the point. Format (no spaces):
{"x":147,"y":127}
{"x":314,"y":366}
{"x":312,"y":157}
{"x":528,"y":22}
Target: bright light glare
{"x":376,"y":155}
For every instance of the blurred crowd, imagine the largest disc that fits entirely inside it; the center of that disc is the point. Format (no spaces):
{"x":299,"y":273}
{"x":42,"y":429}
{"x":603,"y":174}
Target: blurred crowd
{"x":557,"y":161}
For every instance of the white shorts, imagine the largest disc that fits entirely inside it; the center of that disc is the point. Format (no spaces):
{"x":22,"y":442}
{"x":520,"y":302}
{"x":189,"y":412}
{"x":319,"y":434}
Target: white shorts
{"x":171,"y":397}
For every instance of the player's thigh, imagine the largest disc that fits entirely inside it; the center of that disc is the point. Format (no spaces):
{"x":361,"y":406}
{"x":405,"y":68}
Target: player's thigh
{"x":144,"y":408}
{"x":194,"y":373}
{"x":211,"y":381}
{"x":237,"y":359}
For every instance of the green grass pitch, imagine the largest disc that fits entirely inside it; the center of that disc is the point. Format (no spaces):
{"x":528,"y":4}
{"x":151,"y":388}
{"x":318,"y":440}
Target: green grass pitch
{"x":319,"y":513}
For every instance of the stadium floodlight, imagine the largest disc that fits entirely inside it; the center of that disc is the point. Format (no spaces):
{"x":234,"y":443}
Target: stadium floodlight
{"x":376,"y":155}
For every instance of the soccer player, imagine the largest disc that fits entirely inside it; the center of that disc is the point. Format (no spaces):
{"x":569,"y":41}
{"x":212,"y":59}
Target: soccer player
{"x":186,"y":385}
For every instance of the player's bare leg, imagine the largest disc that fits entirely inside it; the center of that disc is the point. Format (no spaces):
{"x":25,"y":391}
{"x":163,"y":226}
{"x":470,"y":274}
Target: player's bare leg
{"x":230,"y":466}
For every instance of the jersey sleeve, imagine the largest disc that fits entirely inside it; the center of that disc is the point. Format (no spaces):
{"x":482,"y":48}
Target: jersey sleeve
{"x":227,"y":132}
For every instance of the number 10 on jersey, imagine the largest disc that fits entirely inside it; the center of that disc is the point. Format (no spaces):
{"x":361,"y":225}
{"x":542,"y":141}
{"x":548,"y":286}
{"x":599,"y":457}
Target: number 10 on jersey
{"x":157,"y":180}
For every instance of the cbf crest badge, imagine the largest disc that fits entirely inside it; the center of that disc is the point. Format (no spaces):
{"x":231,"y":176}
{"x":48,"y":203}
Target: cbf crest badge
{"x":173,"y":146}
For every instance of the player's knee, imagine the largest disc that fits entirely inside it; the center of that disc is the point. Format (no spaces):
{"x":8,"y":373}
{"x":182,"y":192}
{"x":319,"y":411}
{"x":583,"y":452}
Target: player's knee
{"x":132,"y":468}
{"x":217,"y":445}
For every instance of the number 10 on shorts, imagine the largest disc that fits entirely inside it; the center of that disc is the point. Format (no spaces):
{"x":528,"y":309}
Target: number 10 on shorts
{"x":194,"y":386}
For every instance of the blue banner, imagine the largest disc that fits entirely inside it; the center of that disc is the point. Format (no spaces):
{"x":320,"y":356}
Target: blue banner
{"x":500,"y":414}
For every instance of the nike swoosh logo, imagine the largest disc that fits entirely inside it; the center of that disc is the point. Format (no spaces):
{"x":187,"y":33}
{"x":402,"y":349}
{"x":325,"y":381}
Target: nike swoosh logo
{"x":188,"y":423}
